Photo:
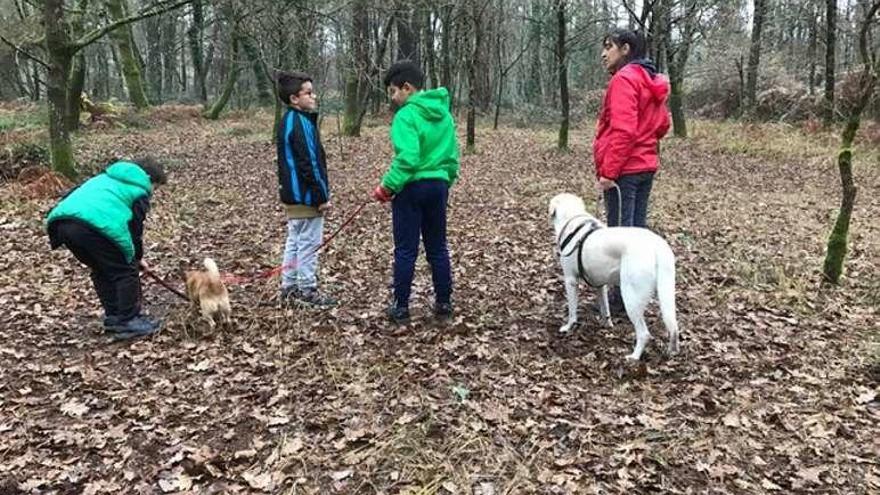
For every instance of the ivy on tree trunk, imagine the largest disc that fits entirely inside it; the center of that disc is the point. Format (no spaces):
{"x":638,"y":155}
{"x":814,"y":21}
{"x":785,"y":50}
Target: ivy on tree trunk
{"x":837,"y":242}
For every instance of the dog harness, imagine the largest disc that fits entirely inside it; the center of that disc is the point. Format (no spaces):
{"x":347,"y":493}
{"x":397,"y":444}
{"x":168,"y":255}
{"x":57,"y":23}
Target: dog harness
{"x":592,"y":226}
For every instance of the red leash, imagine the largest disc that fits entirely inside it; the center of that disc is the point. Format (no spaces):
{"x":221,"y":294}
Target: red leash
{"x":234,"y":279}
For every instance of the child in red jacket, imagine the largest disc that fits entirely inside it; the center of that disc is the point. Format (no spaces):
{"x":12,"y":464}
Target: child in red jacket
{"x":632,"y":121}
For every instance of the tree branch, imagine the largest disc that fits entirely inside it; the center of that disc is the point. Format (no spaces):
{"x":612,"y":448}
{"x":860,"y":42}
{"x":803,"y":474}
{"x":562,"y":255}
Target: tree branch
{"x":23,"y":52}
{"x":96,"y":34}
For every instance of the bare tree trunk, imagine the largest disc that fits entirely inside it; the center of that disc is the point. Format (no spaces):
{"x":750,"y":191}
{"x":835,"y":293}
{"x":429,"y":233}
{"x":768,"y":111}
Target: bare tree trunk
{"x":196,"y":34}
{"x":534,"y":83}
{"x":169,"y":49}
{"x":77,"y":79}
{"x":154,"y":58}
{"x":830,"y":36}
{"x":483,"y":89}
{"x":231,"y":79}
{"x":131,"y":72}
{"x":75,"y":89}
{"x":812,"y":45}
{"x":446,"y":48}
{"x":183,"y":78}
{"x":754,"y":56}
{"x":35,"y":82}
{"x":58,"y":48}
{"x":407,"y":39}
{"x":356,"y":79}
{"x":261,"y":79}
{"x":678,"y":56}
{"x":476,"y":17}
{"x":562,"y":68}
{"x":659,"y":31}
{"x":429,"y":26}
{"x":302,"y":43}
{"x":373,"y":74}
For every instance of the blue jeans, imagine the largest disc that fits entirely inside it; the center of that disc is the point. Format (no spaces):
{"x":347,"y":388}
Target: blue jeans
{"x":300,"y":259}
{"x":420,"y":209}
{"x":634,"y":190}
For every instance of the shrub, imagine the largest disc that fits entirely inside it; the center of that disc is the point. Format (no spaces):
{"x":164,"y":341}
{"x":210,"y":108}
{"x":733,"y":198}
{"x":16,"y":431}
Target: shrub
{"x":17,"y":157}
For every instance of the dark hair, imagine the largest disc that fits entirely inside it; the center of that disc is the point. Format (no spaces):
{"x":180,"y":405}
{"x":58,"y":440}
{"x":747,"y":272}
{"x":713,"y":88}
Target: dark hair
{"x":153,"y":168}
{"x":290,"y":84}
{"x":634,"y":39}
{"x":405,"y":71}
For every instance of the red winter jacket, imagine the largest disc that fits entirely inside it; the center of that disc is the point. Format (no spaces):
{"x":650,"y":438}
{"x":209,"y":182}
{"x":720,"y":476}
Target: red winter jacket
{"x":632,"y":120}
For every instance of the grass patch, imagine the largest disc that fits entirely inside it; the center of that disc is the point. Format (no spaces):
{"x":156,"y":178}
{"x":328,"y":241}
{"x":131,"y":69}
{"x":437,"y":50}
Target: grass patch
{"x":773,"y":141}
{"x":239,"y":131}
{"x":23,"y":118}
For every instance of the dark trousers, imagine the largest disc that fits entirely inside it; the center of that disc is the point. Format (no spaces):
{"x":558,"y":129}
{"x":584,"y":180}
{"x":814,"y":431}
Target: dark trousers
{"x":420,"y":209}
{"x":116,"y":281}
{"x":634,"y":190}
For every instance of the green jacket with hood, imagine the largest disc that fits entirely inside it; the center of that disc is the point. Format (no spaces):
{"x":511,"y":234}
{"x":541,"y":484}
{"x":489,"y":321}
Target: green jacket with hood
{"x":424,"y":139}
{"x":105,"y":203}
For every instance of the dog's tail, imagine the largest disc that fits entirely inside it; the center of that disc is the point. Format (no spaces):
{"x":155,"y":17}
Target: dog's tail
{"x":213,"y":271}
{"x":666,"y":293}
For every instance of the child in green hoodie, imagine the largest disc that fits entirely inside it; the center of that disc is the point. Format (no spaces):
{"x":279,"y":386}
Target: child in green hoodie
{"x":417,"y":183}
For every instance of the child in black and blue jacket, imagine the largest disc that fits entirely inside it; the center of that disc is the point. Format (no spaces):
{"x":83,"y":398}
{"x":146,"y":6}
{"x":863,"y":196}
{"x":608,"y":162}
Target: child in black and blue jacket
{"x":304,"y":189}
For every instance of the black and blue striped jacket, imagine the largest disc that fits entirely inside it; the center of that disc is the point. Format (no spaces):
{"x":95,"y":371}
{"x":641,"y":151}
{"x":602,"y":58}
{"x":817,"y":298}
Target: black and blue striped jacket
{"x":302,"y":165}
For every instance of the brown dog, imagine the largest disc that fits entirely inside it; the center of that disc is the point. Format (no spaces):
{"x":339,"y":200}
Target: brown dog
{"x":206,"y":290}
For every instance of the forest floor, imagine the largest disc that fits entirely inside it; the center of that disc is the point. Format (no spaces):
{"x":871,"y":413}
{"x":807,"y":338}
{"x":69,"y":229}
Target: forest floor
{"x":777,"y":388}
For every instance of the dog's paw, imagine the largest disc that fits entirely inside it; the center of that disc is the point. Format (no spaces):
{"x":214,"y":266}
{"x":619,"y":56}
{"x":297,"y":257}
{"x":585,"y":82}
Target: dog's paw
{"x":672,"y":349}
{"x":566,"y":328}
{"x":609,"y":323}
{"x":632,"y":358}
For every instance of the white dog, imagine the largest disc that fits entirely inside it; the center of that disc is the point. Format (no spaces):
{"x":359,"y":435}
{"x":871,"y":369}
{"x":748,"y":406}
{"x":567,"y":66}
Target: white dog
{"x":636,"y":259}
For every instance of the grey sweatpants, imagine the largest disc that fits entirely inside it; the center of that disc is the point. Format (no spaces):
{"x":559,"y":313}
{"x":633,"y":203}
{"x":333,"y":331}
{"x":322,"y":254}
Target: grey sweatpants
{"x":300,"y":259}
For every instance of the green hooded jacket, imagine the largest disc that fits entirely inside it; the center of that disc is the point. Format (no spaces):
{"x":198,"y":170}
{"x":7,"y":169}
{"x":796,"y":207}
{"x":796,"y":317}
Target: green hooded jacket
{"x":424,"y":139}
{"x":105,"y":201}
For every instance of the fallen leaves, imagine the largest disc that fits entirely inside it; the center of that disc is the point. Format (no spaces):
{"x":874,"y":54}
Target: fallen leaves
{"x":74,"y":408}
{"x":770,"y":394}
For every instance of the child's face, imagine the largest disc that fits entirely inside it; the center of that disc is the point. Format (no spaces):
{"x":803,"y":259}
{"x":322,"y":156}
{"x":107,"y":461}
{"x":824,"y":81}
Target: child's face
{"x":399,"y":95}
{"x":613,"y":55}
{"x":306,"y":99}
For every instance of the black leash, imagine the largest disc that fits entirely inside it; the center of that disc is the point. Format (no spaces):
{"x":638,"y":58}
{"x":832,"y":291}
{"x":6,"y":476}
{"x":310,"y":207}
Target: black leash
{"x":165,"y":284}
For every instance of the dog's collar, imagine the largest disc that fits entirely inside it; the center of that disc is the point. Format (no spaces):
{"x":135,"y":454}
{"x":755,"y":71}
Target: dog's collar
{"x":593,"y":226}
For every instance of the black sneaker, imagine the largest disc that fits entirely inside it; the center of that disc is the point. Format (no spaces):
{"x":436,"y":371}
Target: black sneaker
{"x":443,"y":311}
{"x":139,"y":326}
{"x":397,"y":314}
{"x":110,"y":322}
{"x":314,"y":298}
{"x":289,"y":294}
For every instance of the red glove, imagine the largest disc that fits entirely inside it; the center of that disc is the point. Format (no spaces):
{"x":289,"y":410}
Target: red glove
{"x":381,"y":194}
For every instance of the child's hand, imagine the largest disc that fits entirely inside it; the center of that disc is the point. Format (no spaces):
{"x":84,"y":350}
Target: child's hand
{"x":381,"y":194}
{"x":324,"y":207}
{"x":142,"y":264}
